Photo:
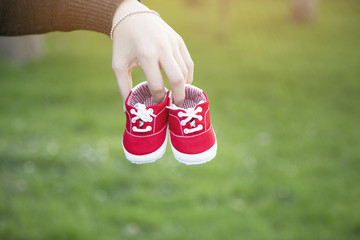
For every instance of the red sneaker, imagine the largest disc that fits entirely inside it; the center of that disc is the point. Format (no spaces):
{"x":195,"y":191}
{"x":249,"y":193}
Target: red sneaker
{"x":192,"y":137}
{"x":145,"y":137}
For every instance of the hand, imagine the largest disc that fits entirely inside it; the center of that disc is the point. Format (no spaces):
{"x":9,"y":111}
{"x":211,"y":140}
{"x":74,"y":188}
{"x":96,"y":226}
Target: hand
{"x":145,"y":40}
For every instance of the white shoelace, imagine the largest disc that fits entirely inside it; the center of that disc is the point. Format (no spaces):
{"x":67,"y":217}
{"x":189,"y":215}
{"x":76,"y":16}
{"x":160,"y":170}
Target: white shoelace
{"x":191,"y":114}
{"x":143,"y":115}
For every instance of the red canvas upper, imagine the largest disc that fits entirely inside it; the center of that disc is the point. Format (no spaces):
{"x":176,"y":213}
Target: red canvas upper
{"x":137,"y":139}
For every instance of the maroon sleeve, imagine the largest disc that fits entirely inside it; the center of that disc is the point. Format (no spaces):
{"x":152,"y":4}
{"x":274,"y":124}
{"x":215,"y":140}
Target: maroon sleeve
{"x":21,"y":17}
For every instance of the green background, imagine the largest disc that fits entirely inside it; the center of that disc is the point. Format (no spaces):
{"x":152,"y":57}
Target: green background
{"x":284,"y":102}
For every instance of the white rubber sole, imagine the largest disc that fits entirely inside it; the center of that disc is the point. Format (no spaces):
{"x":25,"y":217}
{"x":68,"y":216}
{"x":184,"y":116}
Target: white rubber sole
{"x":148,"y":158}
{"x":194,"y":159}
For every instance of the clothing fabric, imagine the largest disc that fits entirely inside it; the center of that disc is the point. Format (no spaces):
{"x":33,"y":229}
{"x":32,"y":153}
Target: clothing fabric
{"x":21,"y":17}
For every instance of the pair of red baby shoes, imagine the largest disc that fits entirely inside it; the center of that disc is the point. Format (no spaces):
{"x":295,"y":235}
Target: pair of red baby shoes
{"x":192,"y":137}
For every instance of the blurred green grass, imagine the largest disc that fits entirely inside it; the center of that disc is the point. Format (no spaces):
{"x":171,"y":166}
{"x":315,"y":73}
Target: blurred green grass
{"x":284,"y":104}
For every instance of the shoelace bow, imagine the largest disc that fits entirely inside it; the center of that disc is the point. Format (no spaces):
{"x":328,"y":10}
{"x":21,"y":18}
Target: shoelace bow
{"x":191,"y":114}
{"x":143,"y":115}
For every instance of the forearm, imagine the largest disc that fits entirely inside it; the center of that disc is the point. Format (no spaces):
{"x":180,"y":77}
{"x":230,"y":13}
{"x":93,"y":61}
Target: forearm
{"x":20,"y":17}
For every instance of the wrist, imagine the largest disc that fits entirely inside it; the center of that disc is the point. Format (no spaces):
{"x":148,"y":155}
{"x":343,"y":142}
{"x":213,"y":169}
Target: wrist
{"x":127,"y":6}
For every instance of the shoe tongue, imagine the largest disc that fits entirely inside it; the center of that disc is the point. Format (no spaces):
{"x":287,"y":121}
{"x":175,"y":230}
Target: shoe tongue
{"x":140,"y":106}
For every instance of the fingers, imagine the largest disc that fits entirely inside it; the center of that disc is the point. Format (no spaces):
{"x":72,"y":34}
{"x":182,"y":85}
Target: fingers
{"x":180,"y":62}
{"x":175,"y":76}
{"x":123,"y":76}
{"x":178,"y":44}
{"x":176,"y":64}
{"x":188,"y":61}
{"x":154,"y":78}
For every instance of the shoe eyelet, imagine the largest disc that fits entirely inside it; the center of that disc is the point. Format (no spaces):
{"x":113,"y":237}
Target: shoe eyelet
{"x":200,"y":118}
{"x":180,"y":114}
{"x":183,"y":123}
{"x":200,"y":109}
{"x":134,"y":129}
{"x":186,"y":131}
{"x":201,"y":127}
